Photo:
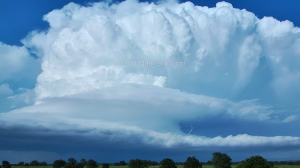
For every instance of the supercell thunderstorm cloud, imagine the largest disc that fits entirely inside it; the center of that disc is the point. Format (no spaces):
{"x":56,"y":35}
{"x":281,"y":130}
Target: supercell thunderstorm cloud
{"x":100,"y":90}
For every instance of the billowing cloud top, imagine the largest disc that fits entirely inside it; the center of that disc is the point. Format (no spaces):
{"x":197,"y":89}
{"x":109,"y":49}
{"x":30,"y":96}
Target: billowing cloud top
{"x":100,"y":71}
{"x":225,"y":44}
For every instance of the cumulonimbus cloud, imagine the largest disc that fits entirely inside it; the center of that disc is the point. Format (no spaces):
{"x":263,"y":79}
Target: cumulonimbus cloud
{"x":222,"y":46}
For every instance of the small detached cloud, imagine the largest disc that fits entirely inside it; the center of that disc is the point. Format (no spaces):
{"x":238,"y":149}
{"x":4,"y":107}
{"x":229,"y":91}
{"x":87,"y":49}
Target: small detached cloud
{"x":290,"y":118}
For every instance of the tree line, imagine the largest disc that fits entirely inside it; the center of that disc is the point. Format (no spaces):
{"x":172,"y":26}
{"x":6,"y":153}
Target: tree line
{"x":219,"y":160}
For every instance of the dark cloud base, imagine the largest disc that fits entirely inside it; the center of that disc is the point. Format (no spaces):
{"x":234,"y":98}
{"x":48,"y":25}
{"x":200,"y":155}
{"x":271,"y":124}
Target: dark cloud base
{"x":64,"y":146}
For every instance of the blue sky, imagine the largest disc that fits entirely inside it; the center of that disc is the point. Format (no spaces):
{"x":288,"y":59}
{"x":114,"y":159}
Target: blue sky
{"x":64,"y":94}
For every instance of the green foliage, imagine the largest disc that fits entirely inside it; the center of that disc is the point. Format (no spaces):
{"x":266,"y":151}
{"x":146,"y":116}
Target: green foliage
{"x":59,"y":163}
{"x":192,"y":162}
{"x":167,"y":163}
{"x":221,"y":160}
{"x":137,"y":163}
{"x":74,"y":165}
{"x":105,"y":165}
{"x":286,"y":162}
{"x":21,"y":164}
{"x":122,"y":163}
{"x":256,"y":162}
{"x":34,"y":163}
{"x":209,"y":163}
{"x":91,"y":164}
{"x":79,"y":165}
{"x":240,"y":165}
{"x":70,"y":165}
{"x":154,"y":163}
{"x":150,"y":163}
{"x":83,"y":161}
{"x":271,"y":164}
{"x":6,"y":164}
{"x":43,"y":163}
{"x":72,"y":160}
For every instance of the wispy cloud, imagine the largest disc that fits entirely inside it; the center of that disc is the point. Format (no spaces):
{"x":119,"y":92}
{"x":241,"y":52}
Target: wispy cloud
{"x":290,"y":118}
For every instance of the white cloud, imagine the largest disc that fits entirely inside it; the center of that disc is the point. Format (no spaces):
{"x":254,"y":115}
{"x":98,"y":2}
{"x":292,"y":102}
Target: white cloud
{"x":290,"y":118}
{"x":81,"y":87}
{"x":26,"y":96}
{"x":280,"y":41}
{"x":80,"y":48}
{"x":9,"y":100}
{"x":159,"y":81}
{"x":250,"y":109}
{"x":93,"y":38}
{"x":16,"y":62}
{"x":151,"y":119}
{"x":250,"y":53}
{"x":18,"y":69}
{"x":148,"y":113}
{"x":5,"y":91}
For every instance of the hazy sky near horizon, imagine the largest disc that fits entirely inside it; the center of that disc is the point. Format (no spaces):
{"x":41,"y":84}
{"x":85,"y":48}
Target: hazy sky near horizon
{"x":73,"y":82}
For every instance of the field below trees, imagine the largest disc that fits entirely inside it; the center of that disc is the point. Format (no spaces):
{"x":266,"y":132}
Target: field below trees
{"x":287,"y":166}
{"x":178,"y":166}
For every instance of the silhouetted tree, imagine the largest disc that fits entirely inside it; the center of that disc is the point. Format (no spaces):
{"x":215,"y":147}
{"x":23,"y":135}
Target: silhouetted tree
{"x":154,"y":163}
{"x":137,"y":163}
{"x":167,"y":163}
{"x":149,"y":162}
{"x":34,"y":163}
{"x":271,"y":164}
{"x":43,"y":163}
{"x":256,"y":162}
{"x":6,"y":164}
{"x":70,"y":165}
{"x":105,"y":165}
{"x":21,"y":164}
{"x":122,"y":163}
{"x":59,"y":163}
{"x":79,"y":165}
{"x":72,"y":160}
{"x":192,"y":162}
{"x":26,"y":164}
{"x":240,"y":165}
{"x":91,"y":164}
{"x":83,"y":161}
{"x":221,"y":160}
